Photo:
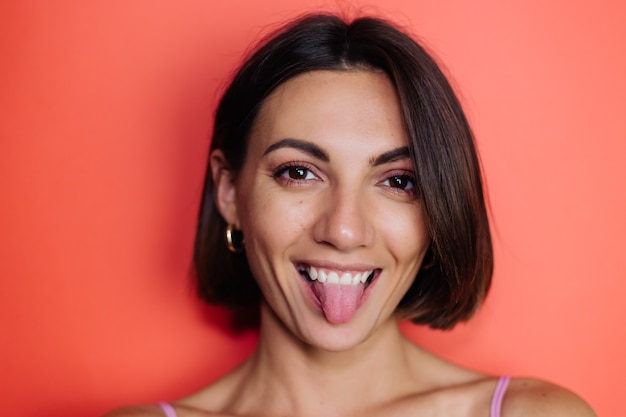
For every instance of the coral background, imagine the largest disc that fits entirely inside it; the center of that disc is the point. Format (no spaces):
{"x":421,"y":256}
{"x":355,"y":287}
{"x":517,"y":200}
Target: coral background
{"x":105,"y":114}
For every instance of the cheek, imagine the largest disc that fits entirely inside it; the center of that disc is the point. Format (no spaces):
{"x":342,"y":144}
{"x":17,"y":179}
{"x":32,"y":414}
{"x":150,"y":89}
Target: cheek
{"x":406,"y":234}
{"x":272,"y":220}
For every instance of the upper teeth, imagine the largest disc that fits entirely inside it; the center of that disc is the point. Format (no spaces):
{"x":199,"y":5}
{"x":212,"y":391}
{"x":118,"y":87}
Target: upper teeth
{"x":341,"y":278}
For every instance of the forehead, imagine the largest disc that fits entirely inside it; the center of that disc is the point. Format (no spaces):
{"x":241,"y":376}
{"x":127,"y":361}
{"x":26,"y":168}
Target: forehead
{"x":331,"y":106}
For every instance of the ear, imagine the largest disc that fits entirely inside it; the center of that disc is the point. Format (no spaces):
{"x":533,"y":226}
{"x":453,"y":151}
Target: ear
{"x":225,"y":187}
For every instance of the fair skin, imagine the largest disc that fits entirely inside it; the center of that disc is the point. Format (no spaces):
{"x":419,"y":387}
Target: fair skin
{"x":327,"y":187}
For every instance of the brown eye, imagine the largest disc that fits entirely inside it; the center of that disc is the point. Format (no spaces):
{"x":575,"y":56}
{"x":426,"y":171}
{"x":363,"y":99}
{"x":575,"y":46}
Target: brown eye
{"x":297,"y":173}
{"x":402,"y":182}
{"x":294,"y":173}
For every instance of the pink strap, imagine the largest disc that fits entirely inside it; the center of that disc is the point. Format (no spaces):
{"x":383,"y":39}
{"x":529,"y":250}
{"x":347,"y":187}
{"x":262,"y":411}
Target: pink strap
{"x":498,"y":395}
{"x":168,"y":410}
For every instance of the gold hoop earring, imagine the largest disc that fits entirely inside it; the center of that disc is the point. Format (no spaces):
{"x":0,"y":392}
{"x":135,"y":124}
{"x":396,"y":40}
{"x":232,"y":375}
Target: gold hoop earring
{"x":234,"y":239}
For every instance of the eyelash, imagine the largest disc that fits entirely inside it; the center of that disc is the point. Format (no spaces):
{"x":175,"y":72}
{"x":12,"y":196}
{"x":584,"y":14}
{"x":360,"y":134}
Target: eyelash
{"x":388,"y":182}
{"x":281,"y":175}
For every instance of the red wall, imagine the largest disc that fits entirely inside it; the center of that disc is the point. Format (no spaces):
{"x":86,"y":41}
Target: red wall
{"x":105,"y":110}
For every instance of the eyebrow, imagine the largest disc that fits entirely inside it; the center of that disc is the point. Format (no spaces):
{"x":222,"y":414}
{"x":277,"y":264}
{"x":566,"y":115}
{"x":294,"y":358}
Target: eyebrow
{"x":391,"y":156}
{"x":317,"y":152}
{"x":302,"y":145}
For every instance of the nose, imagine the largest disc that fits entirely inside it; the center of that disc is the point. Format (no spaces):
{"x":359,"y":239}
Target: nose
{"x":344,"y":221}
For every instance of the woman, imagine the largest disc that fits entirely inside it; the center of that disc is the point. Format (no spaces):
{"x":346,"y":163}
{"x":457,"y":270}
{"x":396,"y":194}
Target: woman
{"x":344,"y":193}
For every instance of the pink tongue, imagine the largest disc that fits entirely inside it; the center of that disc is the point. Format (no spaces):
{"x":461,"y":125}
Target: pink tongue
{"x":339,"y":302}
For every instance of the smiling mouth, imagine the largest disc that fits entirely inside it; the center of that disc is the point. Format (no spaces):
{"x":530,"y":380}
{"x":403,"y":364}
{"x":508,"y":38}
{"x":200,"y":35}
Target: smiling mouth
{"x":338,"y":293}
{"x":325,"y":276}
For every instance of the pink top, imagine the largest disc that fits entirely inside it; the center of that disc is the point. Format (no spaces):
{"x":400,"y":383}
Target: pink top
{"x":496,"y":400}
{"x":498,"y":395}
{"x":168,"y":410}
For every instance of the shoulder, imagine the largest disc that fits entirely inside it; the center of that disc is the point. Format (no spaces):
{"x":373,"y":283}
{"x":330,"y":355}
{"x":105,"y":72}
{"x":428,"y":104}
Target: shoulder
{"x":532,"y":397}
{"x":136,"y":411}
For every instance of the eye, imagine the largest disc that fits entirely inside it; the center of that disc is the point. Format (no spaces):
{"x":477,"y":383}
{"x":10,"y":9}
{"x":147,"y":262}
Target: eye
{"x":401,"y":185}
{"x":402,"y":182}
{"x":298,"y":173}
{"x":294,"y":173}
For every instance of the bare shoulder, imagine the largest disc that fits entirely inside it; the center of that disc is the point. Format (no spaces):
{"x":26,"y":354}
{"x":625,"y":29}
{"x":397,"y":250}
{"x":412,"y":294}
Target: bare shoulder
{"x":532,"y":397}
{"x":136,"y":411}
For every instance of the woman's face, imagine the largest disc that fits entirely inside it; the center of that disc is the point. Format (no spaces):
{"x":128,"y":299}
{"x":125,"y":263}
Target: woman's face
{"x":327,"y":193}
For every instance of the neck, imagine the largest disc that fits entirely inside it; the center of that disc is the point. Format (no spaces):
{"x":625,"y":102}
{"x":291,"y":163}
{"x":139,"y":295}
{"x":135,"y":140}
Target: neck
{"x":289,"y":377}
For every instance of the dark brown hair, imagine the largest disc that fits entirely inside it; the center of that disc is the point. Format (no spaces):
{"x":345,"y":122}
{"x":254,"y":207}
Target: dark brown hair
{"x":458,"y":266}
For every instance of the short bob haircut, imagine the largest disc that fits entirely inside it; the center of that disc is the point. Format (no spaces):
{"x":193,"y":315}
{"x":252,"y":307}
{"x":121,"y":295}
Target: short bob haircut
{"x":456,"y":274}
